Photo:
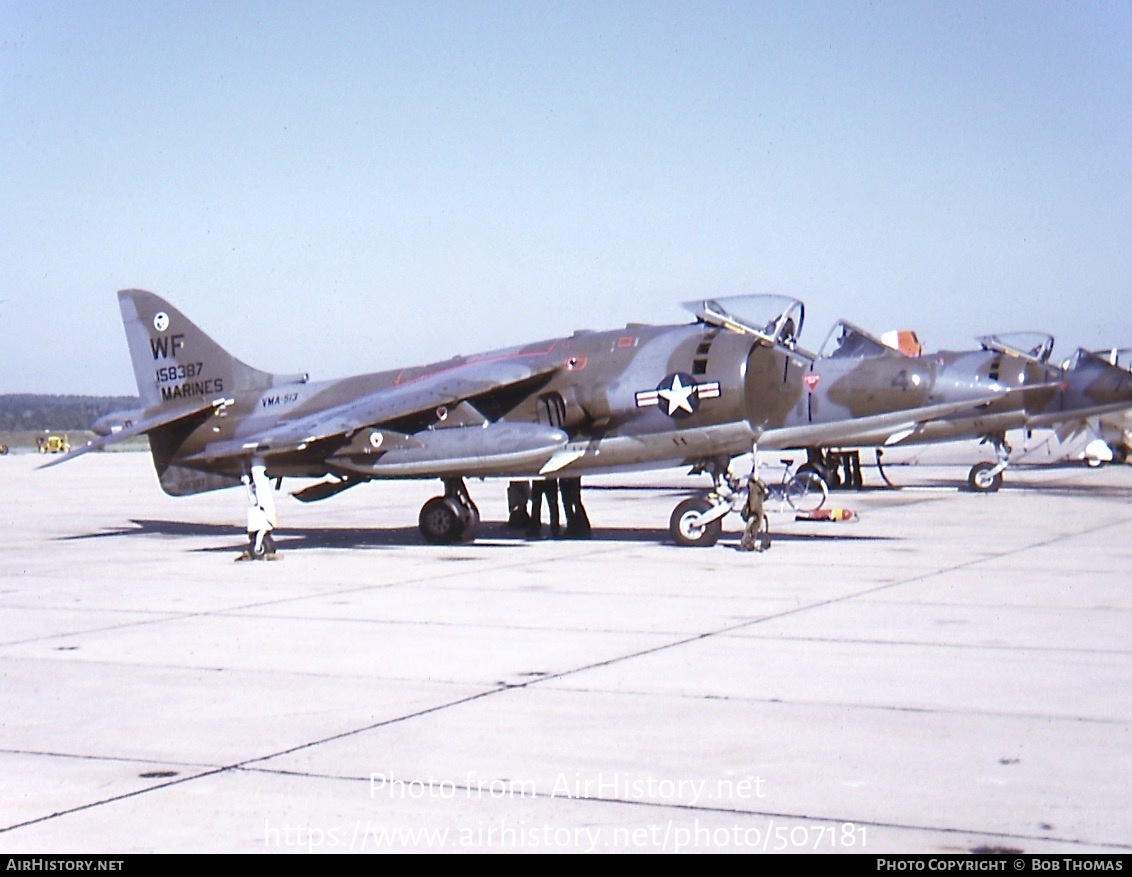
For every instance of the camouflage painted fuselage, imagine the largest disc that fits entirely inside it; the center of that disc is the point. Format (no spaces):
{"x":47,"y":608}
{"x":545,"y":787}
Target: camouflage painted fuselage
{"x":1043,"y":395}
{"x":642,"y":396}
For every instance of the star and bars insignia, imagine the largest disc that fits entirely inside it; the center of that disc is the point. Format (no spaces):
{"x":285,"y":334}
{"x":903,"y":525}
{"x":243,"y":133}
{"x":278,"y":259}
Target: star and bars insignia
{"x":678,"y":395}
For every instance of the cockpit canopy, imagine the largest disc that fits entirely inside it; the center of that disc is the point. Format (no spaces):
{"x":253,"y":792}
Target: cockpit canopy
{"x":846,"y":340}
{"x":1081,"y":358}
{"x":1028,"y":345}
{"x":776,"y":319}
{"x":1120,"y":357}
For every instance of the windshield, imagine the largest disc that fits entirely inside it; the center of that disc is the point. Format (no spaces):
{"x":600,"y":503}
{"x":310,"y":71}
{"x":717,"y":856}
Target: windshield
{"x":1029,"y":345}
{"x":774,"y":318}
{"x":846,"y":340}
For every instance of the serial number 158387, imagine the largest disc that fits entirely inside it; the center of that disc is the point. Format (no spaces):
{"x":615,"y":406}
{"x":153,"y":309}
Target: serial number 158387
{"x":179,"y":372}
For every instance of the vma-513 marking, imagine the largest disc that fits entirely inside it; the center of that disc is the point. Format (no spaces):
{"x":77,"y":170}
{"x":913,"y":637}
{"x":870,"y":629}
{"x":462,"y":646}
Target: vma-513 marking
{"x":697,"y":394}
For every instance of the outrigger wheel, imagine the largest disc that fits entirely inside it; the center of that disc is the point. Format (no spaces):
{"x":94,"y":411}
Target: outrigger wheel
{"x":265,"y":547}
{"x":452,"y":518}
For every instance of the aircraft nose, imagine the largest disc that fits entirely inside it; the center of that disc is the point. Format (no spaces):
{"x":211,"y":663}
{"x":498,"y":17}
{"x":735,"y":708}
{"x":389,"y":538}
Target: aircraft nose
{"x":967,"y":378}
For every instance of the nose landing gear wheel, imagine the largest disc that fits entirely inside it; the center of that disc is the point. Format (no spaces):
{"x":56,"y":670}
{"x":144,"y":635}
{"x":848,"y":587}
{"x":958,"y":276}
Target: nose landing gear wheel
{"x":982,"y":479}
{"x":685,"y":528}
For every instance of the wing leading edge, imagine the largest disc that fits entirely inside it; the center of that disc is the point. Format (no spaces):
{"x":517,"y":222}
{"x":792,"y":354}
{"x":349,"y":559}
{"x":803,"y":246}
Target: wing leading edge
{"x":863,"y":430}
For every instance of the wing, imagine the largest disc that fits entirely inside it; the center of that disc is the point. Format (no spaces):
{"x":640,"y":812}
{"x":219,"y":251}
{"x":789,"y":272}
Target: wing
{"x":1055,"y":419}
{"x":363,"y":423}
{"x":893,"y":425}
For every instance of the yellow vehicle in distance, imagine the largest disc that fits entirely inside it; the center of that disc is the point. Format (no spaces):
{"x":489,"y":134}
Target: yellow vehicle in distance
{"x":53,"y":444}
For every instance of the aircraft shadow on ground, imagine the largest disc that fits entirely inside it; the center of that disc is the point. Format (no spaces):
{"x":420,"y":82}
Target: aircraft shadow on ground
{"x":1083,"y":491}
{"x":491,"y":536}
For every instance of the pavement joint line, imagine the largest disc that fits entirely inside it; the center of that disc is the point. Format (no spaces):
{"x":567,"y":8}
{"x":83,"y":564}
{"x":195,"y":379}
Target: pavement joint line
{"x":871,"y":707}
{"x":90,"y":805}
{"x":731,"y":811}
{"x":111,"y":758}
{"x":242,"y":768}
{"x":181,"y":616}
{"x":241,"y":764}
{"x":944,"y":645}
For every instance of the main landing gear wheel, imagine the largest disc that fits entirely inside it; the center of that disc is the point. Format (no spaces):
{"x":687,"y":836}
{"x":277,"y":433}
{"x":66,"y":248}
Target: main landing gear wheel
{"x":983,"y":478}
{"x":829,"y":475}
{"x":685,"y":528}
{"x":440,"y":521}
{"x":452,"y":518}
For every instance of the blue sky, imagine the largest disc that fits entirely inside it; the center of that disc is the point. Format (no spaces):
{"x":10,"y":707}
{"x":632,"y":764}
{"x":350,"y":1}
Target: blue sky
{"x":342,"y":187}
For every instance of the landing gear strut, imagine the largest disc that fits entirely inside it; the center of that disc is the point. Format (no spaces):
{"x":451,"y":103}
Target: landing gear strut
{"x":261,"y":514}
{"x":452,"y":518}
{"x":987,"y":477}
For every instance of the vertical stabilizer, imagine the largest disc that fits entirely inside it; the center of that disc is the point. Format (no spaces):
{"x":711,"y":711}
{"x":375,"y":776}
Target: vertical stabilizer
{"x":176,"y":365}
{"x":174,"y":360}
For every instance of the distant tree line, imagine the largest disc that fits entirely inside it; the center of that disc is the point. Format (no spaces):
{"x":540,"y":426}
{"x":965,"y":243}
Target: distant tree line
{"x":25,"y":411}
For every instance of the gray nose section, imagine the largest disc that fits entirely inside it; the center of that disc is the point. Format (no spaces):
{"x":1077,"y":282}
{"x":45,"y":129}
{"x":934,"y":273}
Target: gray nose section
{"x":977,"y":377}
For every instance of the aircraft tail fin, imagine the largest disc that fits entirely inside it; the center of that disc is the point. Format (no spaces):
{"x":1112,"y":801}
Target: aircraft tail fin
{"x":174,"y":360}
{"x":183,"y":376}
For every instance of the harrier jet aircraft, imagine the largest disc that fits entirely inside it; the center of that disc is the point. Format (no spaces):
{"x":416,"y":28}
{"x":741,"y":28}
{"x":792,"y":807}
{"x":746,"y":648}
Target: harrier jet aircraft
{"x":1087,"y":385}
{"x":643,"y":396}
{"x":1114,"y":430}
